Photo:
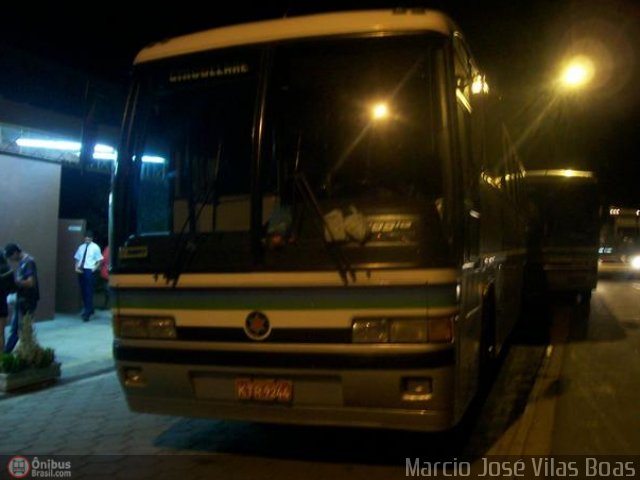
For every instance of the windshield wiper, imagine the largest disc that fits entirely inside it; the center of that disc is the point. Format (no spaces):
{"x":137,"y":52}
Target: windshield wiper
{"x":186,"y":246}
{"x":311,"y":202}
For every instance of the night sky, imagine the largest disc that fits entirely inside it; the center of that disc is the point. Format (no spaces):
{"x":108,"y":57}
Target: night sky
{"x":519,"y":44}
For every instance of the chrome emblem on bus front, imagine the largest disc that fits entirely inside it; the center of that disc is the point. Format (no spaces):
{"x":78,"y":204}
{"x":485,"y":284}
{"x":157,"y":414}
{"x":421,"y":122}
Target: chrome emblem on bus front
{"x":257,"y":326}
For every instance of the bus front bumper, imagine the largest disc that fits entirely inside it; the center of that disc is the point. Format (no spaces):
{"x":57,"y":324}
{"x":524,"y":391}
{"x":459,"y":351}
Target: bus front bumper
{"x":420,"y":399}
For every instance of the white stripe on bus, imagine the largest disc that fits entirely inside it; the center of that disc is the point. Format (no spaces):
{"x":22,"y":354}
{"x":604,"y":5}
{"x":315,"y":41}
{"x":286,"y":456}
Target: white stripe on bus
{"x":289,"y":279}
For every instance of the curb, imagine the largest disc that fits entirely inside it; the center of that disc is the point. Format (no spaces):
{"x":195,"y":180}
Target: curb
{"x":101,"y":368}
{"x":531,"y":433}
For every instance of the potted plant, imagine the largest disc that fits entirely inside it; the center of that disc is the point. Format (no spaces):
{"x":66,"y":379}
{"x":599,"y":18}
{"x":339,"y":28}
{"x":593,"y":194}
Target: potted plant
{"x":30,"y":363}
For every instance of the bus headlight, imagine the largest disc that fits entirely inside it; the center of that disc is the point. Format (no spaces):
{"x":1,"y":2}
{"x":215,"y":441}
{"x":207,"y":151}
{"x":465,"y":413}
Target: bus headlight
{"x":409,"y":331}
{"x":370,"y":330}
{"x":161,"y":327}
{"x":129,"y":326}
{"x":403,"y":330}
{"x":635,"y":262}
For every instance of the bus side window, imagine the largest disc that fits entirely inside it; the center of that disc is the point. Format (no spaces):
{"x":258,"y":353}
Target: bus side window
{"x":470,"y":174}
{"x":463,"y":113}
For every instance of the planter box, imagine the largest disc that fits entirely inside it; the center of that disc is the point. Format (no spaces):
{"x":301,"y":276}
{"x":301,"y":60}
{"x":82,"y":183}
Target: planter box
{"x":29,"y":377}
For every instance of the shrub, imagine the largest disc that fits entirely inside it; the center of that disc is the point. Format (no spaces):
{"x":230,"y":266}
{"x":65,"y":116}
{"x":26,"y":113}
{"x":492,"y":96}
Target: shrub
{"x":10,"y":363}
{"x":29,"y":353}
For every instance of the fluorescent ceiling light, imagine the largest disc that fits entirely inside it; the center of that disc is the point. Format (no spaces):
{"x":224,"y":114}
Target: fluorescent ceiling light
{"x":48,"y":144}
{"x":100,"y":151}
{"x":152,"y":159}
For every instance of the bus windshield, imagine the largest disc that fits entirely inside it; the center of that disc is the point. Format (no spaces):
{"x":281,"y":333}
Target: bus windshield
{"x":566,"y":213}
{"x":357,"y":120}
{"x":357,"y":123}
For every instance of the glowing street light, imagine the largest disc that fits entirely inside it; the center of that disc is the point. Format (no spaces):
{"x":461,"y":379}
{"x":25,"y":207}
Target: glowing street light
{"x":577,"y":73}
{"x":379,"y":111}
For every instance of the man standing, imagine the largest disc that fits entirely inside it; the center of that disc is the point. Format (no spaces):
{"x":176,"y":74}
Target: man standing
{"x":28,"y":292}
{"x":88,"y":259}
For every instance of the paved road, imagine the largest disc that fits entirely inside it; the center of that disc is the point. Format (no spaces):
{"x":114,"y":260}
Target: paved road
{"x":90,"y":417}
{"x":598,"y":392}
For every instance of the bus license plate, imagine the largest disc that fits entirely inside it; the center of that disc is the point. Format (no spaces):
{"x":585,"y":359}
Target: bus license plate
{"x":264,"y":390}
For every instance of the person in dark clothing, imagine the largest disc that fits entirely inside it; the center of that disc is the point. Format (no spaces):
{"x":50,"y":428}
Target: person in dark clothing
{"x":27,"y":289}
{"x":7,"y":286}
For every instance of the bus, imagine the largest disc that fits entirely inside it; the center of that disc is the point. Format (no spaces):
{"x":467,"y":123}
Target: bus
{"x":314,"y":221}
{"x":619,"y":251}
{"x":564,"y":229}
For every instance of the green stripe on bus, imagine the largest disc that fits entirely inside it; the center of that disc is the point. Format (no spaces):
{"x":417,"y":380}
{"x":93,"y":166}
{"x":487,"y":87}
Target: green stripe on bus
{"x":289,"y":299}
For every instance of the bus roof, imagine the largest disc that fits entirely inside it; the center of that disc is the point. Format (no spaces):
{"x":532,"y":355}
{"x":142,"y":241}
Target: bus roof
{"x":318,"y":25}
{"x":560,"y":173}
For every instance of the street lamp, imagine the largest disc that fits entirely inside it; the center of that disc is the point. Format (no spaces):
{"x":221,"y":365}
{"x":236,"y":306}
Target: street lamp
{"x":379,"y":111}
{"x":577,"y":73}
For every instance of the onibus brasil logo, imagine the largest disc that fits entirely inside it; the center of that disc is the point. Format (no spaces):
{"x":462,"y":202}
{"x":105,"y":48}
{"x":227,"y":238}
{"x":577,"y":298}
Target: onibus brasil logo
{"x":21,"y":467}
{"x":18,"y":467}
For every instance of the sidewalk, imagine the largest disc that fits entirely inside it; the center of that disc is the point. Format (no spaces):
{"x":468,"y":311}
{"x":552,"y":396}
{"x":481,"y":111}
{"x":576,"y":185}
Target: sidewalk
{"x":83,"y":348}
